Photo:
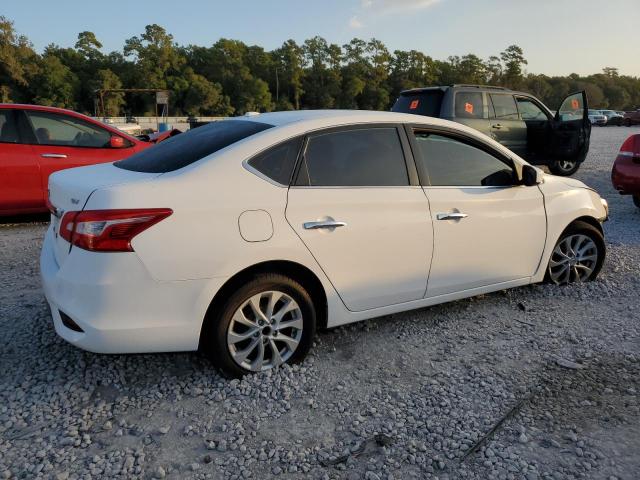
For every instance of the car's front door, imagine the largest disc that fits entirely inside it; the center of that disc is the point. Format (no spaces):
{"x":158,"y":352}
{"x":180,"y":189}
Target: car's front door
{"x":538,"y":121}
{"x":570,"y":131}
{"x":64,"y":141}
{"x":357,"y":206}
{"x":488,"y":229}
{"x":506,"y":125}
{"x":20,"y":187}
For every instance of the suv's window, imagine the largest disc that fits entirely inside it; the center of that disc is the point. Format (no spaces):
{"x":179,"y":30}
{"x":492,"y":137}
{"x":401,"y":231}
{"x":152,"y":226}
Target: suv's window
{"x":8,"y":129}
{"x":504,"y":106}
{"x":65,"y":130}
{"x":529,"y":110}
{"x":572,"y":108}
{"x":189,"y":147}
{"x":446,"y":161}
{"x":469,"y":105}
{"x":361,"y":157}
{"x":425,"y":102}
{"x":278,"y":162}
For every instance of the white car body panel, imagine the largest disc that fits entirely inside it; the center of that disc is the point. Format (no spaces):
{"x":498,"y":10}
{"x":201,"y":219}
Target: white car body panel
{"x":155,"y":298}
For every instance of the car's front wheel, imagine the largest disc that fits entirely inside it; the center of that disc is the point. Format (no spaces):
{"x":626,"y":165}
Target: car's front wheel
{"x":564,"y":168}
{"x":269,"y":321}
{"x":578,"y":256}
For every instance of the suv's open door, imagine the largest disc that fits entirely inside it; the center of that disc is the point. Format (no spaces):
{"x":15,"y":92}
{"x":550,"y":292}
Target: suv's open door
{"x":570,"y":133}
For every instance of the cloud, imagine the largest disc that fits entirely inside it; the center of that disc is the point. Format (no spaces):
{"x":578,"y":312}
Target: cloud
{"x":355,"y":23}
{"x":386,"y":6}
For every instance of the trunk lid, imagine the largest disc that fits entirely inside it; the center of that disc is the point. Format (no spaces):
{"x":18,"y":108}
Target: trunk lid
{"x":70,"y":189}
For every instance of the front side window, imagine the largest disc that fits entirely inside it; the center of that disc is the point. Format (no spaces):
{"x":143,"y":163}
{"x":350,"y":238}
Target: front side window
{"x":362,"y":157}
{"x":504,"y":106}
{"x":469,"y":105}
{"x":8,"y":128}
{"x":65,"y":130}
{"x":449,"y":162}
{"x":189,"y":147}
{"x":277,"y":163}
{"x":572,"y":108}
{"x":529,"y":110}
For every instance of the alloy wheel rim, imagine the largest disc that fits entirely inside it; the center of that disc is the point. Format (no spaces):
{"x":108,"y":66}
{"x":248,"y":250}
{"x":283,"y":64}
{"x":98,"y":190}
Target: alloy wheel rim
{"x":265,"y":331}
{"x":573,"y":259}
{"x":566,"y":165}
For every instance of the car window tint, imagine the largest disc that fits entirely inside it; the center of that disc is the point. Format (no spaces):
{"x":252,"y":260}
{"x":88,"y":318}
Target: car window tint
{"x":427,"y":102}
{"x":504,"y":106}
{"x":362,"y":157}
{"x":65,"y":130}
{"x":189,"y":147}
{"x":278,"y":162}
{"x":469,"y":105}
{"x":572,"y":108}
{"x":446,"y":161}
{"x":529,"y":110}
{"x":8,"y":128}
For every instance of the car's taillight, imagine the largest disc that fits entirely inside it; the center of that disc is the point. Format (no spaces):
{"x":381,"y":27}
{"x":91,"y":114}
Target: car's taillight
{"x":631,"y":148}
{"x":108,"y":230}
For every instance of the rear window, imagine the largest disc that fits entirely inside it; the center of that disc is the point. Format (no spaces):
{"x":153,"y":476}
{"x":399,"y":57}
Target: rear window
{"x":182,"y":150}
{"x":426,"y":103}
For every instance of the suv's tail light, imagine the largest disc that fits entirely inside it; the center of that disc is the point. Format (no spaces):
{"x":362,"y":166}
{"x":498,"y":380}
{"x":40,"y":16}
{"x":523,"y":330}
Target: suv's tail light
{"x":631,"y":148}
{"x":108,"y":230}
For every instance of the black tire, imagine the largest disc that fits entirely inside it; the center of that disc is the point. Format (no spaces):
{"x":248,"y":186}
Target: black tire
{"x":636,"y":200}
{"x":582,"y":228}
{"x":557,"y":168}
{"x":627,"y":122}
{"x":213,"y":340}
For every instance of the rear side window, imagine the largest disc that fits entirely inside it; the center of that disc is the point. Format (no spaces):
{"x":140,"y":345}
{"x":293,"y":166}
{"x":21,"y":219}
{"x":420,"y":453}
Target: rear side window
{"x":425,"y":103}
{"x":182,"y":150}
{"x":470,"y":105}
{"x":447,"y":161}
{"x":8,"y":128}
{"x":504,"y":106}
{"x":363,"y":157}
{"x":277,"y":163}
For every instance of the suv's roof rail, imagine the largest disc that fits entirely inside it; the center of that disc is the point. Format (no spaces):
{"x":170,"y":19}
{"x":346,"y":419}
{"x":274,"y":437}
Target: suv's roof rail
{"x":478,"y":86}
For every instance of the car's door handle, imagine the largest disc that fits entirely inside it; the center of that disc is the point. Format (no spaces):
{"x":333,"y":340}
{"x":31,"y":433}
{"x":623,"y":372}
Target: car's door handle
{"x":497,"y":126}
{"x":451,"y":216}
{"x":323,"y":224}
{"x":53,"y":155}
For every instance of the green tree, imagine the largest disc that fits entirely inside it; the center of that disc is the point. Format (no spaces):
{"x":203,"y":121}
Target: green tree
{"x":513,"y":59}
{"x":54,"y":84}
{"x":113,"y":102}
{"x":18,"y":63}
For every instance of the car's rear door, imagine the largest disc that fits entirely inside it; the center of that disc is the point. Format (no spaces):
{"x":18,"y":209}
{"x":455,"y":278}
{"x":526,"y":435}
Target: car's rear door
{"x":471,"y":108}
{"x":357,"y":205}
{"x":63,"y":141}
{"x":20,"y":186}
{"x":571,"y":129}
{"x":488,"y":229}
{"x":506,"y":125}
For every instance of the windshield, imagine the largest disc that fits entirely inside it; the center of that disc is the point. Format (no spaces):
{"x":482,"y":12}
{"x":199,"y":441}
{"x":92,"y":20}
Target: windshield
{"x":182,"y":150}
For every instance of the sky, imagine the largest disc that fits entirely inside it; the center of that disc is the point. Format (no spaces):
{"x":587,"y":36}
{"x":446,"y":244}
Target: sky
{"x":558,"y":37}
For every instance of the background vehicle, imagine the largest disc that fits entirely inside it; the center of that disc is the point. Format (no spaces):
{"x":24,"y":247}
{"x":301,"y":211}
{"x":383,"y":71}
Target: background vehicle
{"x":36,"y":141}
{"x":596,"y":117}
{"x":517,"y":120}
{"x":613,"y":117}
{"x":625,"y":174}
{"x":280,"y":222}
{"x":631,"y":118}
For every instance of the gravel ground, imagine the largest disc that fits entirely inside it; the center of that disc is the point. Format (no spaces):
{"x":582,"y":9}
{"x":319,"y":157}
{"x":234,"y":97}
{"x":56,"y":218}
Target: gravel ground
{"x":551,"y":374}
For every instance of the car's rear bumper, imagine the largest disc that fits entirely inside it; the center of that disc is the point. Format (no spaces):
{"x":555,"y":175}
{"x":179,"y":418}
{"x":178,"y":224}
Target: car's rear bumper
{"x":118,"y":306}
{"x":625,"y":176}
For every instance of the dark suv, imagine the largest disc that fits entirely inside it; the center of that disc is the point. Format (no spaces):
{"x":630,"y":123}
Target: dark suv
{"x":517,"y":120}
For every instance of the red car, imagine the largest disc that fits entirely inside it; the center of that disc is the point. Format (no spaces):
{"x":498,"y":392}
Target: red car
{"x":625,"y":175}
{"x":37,"y":141}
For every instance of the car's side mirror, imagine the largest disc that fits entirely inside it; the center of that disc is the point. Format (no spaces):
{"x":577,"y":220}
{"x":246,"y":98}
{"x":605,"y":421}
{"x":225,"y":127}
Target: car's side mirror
{"x":530,"y":176}
{"x":116,"y":142}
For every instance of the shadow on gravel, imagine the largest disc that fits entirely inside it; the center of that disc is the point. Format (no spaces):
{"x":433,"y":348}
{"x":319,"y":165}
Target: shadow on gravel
{"x":24,"y":219}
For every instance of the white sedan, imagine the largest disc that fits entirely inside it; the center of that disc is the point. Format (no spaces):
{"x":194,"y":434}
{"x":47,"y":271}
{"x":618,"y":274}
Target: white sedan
{"x":241,"y":237}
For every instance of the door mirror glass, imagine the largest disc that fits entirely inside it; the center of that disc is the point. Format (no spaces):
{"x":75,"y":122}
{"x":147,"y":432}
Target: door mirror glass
{"x":529,"y":176}
{"x":116,"y":142}
{"x":572,"y":108}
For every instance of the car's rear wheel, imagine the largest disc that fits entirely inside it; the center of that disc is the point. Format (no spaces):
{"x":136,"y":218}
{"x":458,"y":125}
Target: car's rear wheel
{"x":269,"y":321}
{"x":564,"y":167}
{"x":636,"y":200}
{"x":578,"y":256}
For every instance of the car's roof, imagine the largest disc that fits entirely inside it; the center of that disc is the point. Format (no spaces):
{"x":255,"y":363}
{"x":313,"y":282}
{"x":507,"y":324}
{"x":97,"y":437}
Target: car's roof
{"x":461,"y":86}
{"x":26,"y":106}
{"x":327,"y":118}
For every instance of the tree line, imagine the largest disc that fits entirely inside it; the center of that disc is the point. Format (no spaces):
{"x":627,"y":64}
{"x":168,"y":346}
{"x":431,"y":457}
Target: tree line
{"x":232,"y":78}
